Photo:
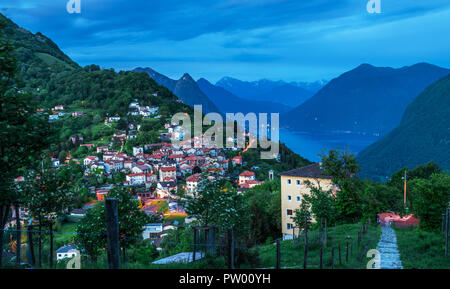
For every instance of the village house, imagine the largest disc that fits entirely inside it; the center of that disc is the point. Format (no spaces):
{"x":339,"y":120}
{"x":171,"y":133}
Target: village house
{"x":68,"y":251}
{"x":192,"y":183}
{"x":167,"y":172}
{"x":293,"y":190}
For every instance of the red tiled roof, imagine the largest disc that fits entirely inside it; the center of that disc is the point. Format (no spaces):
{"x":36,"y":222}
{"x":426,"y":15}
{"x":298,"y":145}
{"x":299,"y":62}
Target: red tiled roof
{"x":247,"y":174}
{"x":168,"y":169}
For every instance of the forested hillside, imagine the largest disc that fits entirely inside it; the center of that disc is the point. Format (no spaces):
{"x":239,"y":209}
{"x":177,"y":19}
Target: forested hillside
{"x":422,"y":136}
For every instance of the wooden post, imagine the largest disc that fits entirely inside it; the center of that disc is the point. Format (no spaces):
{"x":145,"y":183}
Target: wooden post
{"x":18,"y":235}
{"x":332,"y":257}
{"x":305,"y":257}
{"x":195,"y":244}
{"x":278,"y":254}
{"x":447,"y":220}
{"x":230,"y":248}
{"x":443,"y":224}
{"x":340,"y":259}
{"x":346,"y":254}
{"x":112,"y":233}
{"x":31,"y":246}
{"x":351,"y":248}
{"x":334,"y":239}
{"x":40,"y":242}
{"x":321,"y":257}
{"x":51,"y":244}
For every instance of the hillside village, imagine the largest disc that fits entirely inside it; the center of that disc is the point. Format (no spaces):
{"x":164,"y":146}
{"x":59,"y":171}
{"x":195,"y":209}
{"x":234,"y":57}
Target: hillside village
{"x":155,"y":173}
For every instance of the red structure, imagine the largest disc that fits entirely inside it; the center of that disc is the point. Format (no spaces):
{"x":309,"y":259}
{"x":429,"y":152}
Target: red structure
{"x":397,"y":221}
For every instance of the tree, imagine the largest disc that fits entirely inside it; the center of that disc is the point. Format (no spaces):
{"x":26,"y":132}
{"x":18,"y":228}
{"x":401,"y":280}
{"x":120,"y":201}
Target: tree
{"x":342,"y":167}
{"x":23,"y":133}
{"x":322,"y":202}
{"x":302,"y":216}
{"x":431,"y":199}
{"x":218,"y":203}
{"x":91,"y":230}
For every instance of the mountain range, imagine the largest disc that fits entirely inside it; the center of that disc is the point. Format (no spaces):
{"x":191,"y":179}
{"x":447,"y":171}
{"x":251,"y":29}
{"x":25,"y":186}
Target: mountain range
{"x":185,"y":88}
{"x":289,"y":94}
{"x":422,"y":136}
{"x":367,"y":99}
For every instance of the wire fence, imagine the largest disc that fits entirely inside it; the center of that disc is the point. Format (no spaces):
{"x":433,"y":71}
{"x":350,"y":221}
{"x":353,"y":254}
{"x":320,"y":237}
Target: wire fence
{"x":48,"y":248}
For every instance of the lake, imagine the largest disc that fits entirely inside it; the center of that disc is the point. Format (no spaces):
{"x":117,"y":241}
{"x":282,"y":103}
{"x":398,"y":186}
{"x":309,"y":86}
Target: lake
{"x":308,"y":144}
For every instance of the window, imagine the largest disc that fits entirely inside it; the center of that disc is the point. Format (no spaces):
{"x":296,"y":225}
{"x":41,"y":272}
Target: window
{"x":289,"y":212}
{"x":289,"y":226}
{"x":289,"y":181}
{"x":289,"y":198}
{"x":298,"y":182}
{"x":298,"y":199}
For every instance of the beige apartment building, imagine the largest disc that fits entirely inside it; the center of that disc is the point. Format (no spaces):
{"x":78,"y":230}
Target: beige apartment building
{"x":293,"y":189}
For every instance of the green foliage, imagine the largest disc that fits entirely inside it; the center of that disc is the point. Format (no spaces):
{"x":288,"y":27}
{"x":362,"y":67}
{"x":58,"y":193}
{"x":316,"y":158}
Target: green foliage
{"x":431,"y":198}
{"x":322,"y":202}
{"x":302,"y":216}
{"x":264,"y":205}
{"x":342,"y":166}
{"x":218,"y":203}
{"x":421,"y":249}
{"x":92,"y":228}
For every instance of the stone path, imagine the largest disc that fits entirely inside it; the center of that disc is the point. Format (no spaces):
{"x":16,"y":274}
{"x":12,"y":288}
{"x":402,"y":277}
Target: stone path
{"x":387,"y":246}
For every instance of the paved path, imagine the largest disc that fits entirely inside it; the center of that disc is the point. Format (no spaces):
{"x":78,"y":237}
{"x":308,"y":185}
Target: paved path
{"x":387,"y":246}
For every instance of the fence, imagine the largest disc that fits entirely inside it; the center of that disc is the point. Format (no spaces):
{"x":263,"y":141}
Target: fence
{"x":32,"y":247}
{"x":43,"y":249}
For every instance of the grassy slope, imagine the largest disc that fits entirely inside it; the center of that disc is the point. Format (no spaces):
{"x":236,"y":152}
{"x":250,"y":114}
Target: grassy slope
{"x":292,"y":252}
{"x":421,"y":250}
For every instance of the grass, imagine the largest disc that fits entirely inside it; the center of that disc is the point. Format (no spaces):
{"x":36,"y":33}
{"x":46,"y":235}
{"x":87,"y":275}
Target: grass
{"x":292,"y":251}
{"x":421,"y":250}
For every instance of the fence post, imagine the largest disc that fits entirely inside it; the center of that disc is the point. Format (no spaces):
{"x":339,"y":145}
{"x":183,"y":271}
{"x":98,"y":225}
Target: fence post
{"x":30,"y":245}
{"x":443,"y":224}
{"x":230,"y":248}
{"x":340,"y":259}
{"x":351,"y":248}
{"x":40,"y":242}
{"x":305,"y":257}
{"x":278,"y":254}
{"x":447,"y":219}
{"x":195,"y":244}
{"x":112,"y":233}
{"x":51,"y":244}
{"x":321,"y":257}
{"x":332,"y":258}
{"x":346,"y":254}
{"x":18,"y":235}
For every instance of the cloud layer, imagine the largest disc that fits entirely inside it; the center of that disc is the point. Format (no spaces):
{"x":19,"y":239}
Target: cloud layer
{"x":247,"y":39}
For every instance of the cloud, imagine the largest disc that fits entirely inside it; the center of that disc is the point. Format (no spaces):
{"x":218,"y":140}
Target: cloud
{"x":300,"y":39}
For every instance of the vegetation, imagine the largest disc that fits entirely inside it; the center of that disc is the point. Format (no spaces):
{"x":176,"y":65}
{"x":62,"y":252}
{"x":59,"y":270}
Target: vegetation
{"x":422,"y":136}
{"x":421,"y":250}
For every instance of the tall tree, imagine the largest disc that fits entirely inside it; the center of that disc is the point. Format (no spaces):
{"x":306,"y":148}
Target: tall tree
{"x":23,"y":133}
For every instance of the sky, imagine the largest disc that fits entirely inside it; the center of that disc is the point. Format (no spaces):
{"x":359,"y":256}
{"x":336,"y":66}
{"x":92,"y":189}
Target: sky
{"x":298,"y":40}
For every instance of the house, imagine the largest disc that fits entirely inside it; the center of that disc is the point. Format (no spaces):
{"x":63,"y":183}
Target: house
{"x":167,"y":173}
{"x":67,"y":251}
{"x":245,"y":177}
{"x":237,"y":160}
{"x":165,"y":189}
{"x":89,"y":160}
{"x":192,"y":183}
{"x":293,"y":189}
{"x":137,"y":150}
{"x":152,"y":230}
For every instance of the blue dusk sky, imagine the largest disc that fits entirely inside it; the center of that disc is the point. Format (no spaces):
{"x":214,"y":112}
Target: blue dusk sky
{"x":298,"y":40}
